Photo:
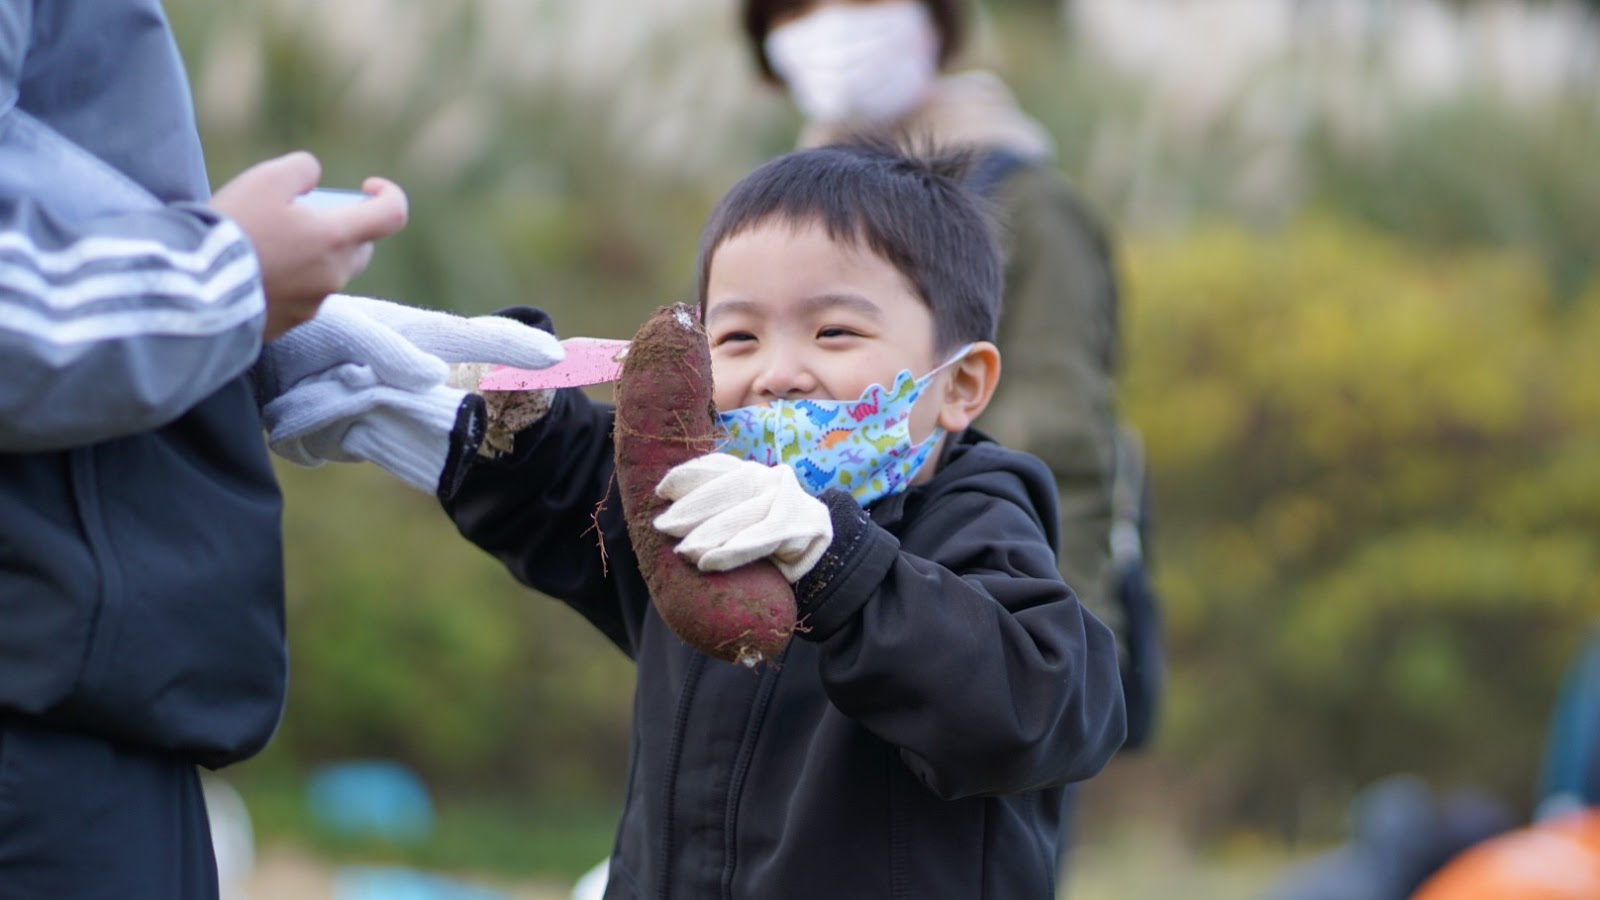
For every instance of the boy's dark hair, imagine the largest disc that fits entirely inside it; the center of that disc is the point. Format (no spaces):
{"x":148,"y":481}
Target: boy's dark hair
{"x":911,"y":210}
{"x":949,"y":17}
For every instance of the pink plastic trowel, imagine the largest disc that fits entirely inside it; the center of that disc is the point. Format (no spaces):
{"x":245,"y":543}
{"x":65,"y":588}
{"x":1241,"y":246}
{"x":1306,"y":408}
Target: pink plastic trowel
{"x":588,"y":361}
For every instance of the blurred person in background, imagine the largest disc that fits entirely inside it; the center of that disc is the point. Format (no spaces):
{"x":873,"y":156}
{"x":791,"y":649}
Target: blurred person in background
{"x":1552,"y":859}
{"x":886,"y":66}
{"x":141,"y":567}
{"x":1401,"y":832}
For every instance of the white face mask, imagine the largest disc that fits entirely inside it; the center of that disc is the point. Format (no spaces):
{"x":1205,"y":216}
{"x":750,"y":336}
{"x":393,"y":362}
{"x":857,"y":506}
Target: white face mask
{"x":869,"y":64}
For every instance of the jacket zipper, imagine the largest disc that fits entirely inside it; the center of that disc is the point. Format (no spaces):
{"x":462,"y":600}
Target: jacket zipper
{"x":741,"y":767}
{"x":691,"y":681}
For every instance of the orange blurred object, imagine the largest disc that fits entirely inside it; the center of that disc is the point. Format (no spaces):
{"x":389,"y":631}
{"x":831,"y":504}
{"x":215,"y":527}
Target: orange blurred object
{"x":1554,"y":860}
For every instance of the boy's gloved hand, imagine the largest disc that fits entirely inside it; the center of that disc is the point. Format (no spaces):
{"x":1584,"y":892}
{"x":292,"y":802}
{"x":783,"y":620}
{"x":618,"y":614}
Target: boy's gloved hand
{"x":731,"y":511}
{"x":366,"y":380}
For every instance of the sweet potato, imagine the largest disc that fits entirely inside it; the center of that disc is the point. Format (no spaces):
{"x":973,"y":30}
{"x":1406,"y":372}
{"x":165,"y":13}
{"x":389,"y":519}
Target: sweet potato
{"x":665,"y":416}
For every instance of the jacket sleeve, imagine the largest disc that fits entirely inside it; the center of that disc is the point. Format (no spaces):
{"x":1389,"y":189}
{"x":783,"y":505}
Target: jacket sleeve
{"x":977,"y":661}
{"x":119,"y":325}
{"x":548,"y":513}
{"x":1058,"y":333}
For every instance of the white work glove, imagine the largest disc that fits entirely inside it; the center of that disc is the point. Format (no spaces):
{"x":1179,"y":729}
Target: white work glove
{"x":366,"y":381}
{"x":729,"y":511}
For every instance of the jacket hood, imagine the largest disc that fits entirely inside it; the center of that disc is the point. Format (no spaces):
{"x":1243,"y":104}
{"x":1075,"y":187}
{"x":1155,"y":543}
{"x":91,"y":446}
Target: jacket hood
{"x":973,"y":461}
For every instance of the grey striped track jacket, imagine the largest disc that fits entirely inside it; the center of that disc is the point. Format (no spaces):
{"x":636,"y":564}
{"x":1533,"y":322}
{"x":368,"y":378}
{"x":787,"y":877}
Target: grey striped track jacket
{"x":140,"y":560}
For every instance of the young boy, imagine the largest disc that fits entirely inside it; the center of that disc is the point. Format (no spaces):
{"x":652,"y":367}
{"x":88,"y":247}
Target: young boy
{"x":915,"y":738}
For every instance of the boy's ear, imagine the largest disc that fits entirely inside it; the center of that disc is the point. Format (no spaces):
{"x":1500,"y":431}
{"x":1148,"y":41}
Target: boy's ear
{"x":971,"y":383}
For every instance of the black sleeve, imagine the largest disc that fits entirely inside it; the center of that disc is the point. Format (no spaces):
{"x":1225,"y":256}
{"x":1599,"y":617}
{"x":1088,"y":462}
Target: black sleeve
{"x":546,"y":510}
{"x":976,"y":660}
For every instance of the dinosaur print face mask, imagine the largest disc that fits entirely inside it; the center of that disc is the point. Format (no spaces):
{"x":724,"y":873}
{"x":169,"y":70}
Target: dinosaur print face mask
{"x":862,"y":447}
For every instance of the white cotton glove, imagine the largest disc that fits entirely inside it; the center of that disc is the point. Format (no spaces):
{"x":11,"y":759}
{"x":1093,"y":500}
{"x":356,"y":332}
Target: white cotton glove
{"x":366,"y":380}
{"x":730,"y":511}
{"x":347,"y":415}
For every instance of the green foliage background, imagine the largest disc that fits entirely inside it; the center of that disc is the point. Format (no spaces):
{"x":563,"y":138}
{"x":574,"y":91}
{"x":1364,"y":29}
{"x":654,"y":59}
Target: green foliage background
{"x":1377,"y":469}
{"x":1371,"y":419}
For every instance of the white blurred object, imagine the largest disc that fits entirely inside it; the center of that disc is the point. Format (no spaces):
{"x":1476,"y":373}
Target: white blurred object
{"x":1253,"y":79}
{"x":592,"y":886}
{"x":1199,"y":54}
{"x":865,"y":65}
{"x":330,"y":198}
{"x":232,"y":838}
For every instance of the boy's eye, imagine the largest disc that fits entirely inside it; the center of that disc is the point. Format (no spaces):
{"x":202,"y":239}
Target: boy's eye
{"x":733,"y":336}
{"x":835,"y":331}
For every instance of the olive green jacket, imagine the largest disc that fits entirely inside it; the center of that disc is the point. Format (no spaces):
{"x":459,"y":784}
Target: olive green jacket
{"x":1058,"y":342}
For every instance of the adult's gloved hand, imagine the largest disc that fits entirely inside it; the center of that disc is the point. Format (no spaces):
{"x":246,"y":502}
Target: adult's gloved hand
{"x":366,"y":380}
{"x":730,"y":511}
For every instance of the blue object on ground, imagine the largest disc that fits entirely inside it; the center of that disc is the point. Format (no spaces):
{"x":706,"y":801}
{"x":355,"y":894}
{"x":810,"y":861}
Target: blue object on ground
{"x":393,"y":883}
{"x":371,"y":798}
{"x":1571,"y":772}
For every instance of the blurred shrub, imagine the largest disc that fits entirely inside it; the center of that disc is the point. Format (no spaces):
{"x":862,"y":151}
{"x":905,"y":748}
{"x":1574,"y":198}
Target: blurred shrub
{"x":520,"y":193}
{"x":409,"y":643}
{"x":1463,"y":169}
{"x":1475,"y":172}
{"x":1378,"y":484}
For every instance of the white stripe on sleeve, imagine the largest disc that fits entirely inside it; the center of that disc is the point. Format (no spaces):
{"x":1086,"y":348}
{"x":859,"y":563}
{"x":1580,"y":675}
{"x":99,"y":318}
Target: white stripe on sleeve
{"x":171,"y":292}
{"x":103,"y":249}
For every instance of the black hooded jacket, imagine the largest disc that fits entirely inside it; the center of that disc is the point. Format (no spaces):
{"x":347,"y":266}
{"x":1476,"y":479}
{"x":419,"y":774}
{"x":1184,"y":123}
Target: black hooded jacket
{"x":915,"y":738}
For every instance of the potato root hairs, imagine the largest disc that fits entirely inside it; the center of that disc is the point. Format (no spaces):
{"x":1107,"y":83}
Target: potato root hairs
{"x":665,"y":416}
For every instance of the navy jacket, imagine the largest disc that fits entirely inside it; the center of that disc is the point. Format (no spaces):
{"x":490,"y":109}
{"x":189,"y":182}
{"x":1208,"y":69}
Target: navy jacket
{"x":914,"y":742}
{"x":141,"y":592}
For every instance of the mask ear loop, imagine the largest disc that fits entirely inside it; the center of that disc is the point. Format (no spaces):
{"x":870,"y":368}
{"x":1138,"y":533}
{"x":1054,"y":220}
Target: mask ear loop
{"x":939,"y":430}
{"x":959,"y":355}
{"x":927,"y":380}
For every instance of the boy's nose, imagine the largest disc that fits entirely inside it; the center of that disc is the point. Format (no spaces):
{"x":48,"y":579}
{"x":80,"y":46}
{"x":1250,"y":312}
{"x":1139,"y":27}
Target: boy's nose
{"x":784,"y":376}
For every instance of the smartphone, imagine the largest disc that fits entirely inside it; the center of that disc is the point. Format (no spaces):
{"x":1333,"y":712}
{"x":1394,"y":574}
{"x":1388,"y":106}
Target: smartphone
{"x":331,"y":198}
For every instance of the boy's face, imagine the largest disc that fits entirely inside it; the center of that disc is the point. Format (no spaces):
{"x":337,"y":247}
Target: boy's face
{"x":793,"y":314}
